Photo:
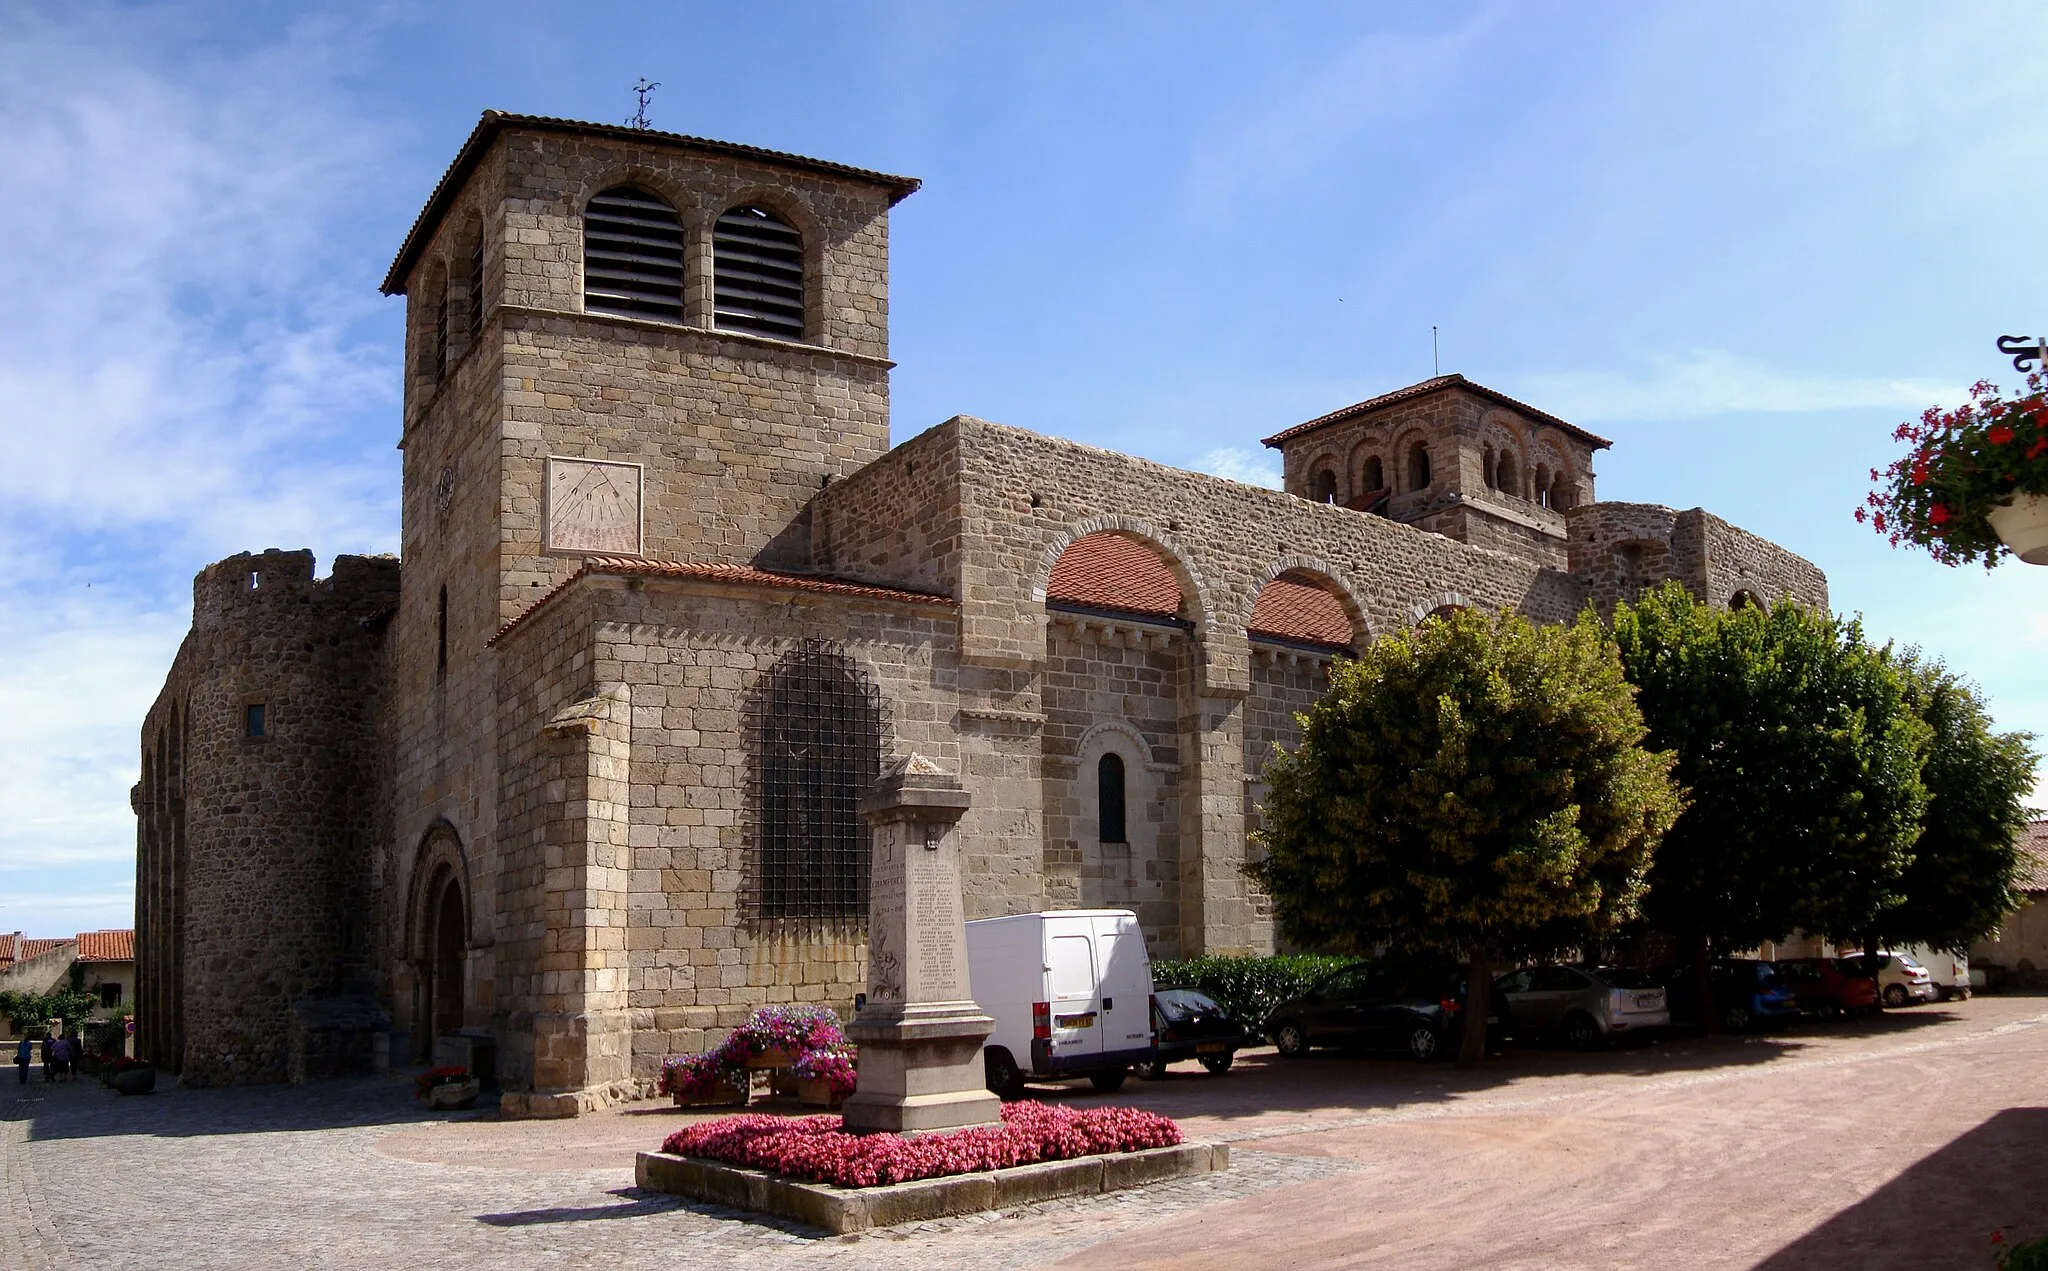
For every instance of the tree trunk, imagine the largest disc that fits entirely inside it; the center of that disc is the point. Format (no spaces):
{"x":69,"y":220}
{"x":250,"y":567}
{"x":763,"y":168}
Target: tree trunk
{"x":1478,"y":1005}
{"x":1703,"y":985}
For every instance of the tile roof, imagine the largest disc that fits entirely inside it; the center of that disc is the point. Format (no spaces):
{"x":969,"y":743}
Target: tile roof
{"x":2033,"y":871}
{"x":1295,"y":610}
{"x":1109,"y":571}
{"x":706,"y":571}
{"x":495,"y":121}
{"x":10,"y":942}
{"x":37,"y":948}
{"x":1424,"y":389}
{"x":106,"y":946}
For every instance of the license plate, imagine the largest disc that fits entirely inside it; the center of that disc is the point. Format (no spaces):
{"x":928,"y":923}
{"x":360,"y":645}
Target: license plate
{"x":1649,"y":1003}
{"x":1075,"y":1021}
{"x":1211,"y":1048}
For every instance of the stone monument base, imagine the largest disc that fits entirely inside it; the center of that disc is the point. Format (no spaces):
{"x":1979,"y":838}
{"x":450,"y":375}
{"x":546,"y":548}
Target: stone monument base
{"x":921,"y":1069}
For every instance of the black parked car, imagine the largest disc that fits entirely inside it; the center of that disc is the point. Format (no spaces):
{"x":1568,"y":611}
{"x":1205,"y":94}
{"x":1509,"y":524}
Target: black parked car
{"x":1188,"y":1024}
{"x":1378,"y":1006}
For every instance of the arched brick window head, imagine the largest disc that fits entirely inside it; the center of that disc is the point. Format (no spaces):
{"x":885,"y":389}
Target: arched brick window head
{"x":1418,"y":467}
{"x":1374,"y":477}
{"x":757,"y":261}
{"x":1323,"y":486}
{"x":1109,"y":799}
{"x":632,"y":255}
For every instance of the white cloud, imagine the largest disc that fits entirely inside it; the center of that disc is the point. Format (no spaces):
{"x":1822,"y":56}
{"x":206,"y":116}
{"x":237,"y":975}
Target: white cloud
{"x":1714,"y":382}
{"x":1237,"y":464}
{"x":190,"y":365}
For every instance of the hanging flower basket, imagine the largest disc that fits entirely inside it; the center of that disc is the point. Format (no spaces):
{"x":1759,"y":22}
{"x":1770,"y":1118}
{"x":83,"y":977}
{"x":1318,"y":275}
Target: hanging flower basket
{"x":1973,"y":481}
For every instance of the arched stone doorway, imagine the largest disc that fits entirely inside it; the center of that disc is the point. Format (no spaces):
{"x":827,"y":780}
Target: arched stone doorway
{"x":440,"y":941}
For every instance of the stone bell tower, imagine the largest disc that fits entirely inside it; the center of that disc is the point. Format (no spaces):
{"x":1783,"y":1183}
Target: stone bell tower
{"x":619,"y":343}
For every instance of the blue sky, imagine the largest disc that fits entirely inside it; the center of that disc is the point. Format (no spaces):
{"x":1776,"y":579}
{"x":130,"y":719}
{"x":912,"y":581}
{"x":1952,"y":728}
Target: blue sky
{"x":1741,"y":240}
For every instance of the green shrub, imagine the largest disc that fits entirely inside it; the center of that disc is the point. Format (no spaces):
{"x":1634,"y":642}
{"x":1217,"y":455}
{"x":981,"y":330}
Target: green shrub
{"x":2028,"y":1255}
{"x":1250,"y":988}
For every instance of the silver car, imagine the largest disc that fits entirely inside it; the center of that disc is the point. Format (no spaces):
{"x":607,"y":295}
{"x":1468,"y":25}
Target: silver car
{"x":1583,"y":1007}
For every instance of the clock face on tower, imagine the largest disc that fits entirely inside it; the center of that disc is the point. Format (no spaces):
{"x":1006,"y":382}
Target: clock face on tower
{"x":593,"y":506}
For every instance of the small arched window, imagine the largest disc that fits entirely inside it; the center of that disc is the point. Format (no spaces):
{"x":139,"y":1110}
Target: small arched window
{"x":1418,"y":467}
{"x":1374,"y":477}
{"x":1744,"y":599}
{"x":1323,"y":486}
{"x":474,"y":284}
{"x":1486,"y":468}
{"x":1509,"y":478}
{"x":430,"y":346}
{"x":632,"y":255}
{"x":1542,"y":486}
{"x":1109,"y":799}
{"x":758,"y":273}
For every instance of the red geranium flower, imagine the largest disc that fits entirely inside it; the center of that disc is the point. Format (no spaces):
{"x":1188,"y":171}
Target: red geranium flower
{"x":1999,"y":435}
{"x":1938,"y":514}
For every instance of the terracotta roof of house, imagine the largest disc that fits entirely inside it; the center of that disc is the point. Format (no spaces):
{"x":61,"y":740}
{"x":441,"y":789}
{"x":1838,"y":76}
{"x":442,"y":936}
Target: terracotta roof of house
{"x":706,"y":571}
{"x":37,"y":948}
{"x":495,"y":121}
{"x":1440,"y":384}
{"x":1292,"y":609}
{"x":10,"y":943}
{"x":1109,"y":571}
{"x":106,"y":946}
{"x":2033,"y":871}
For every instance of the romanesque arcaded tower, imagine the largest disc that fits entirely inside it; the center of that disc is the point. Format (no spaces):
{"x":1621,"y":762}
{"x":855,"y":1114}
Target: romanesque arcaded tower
{"x":624,"y":344}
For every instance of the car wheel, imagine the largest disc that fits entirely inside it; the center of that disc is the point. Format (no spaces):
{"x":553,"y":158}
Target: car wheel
{"x":1291,"y":1040}
{"x":1001,"y":1075}
{"x":1827,"y":1011}
{"x":1109,"y":1082}
{"x":1738,"y":1019}
{"x":1218,"y":1066}
{"x":1150,"y":1070}
{"x":1895,"y":995}
{"x":1423,"y":1043}
{"x":1581,"y":1033}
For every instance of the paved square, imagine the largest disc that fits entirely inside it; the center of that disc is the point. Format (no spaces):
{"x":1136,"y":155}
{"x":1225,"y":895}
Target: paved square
{"x":1897,"y":1143}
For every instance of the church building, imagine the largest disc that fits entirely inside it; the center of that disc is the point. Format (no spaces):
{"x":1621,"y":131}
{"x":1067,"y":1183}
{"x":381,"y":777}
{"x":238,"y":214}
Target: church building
{"x":575,"y":786}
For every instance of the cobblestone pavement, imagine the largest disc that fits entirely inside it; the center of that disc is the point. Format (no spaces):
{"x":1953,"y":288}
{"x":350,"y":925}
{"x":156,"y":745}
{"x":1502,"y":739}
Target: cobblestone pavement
{"x":1331,"y":1158}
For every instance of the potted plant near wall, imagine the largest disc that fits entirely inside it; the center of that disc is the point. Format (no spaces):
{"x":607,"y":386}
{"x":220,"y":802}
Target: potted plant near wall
{"x":132,"y":1076}
{"x":1973,"y":483}
{"x":825,"y":1077}
{"x":447,"y":1089}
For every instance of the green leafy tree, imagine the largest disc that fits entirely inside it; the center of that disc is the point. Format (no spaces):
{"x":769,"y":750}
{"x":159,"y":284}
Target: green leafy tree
{"x":28,"y":1012}
{"x":1959,"y":886}
{"x":1472,"y":787}
{"x":1802,"y":758}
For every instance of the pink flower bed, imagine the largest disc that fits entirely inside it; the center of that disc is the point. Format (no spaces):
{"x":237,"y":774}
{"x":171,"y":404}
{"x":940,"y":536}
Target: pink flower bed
{"x":819,"y":1150}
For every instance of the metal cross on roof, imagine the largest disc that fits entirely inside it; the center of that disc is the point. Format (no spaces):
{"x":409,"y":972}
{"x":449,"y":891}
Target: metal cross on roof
{"x":2024,"y":350}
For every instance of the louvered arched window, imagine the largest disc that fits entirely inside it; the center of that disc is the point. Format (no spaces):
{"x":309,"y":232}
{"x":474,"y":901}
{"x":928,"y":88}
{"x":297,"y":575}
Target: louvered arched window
{"x":632,"y":255}
{"x":758,"y":273}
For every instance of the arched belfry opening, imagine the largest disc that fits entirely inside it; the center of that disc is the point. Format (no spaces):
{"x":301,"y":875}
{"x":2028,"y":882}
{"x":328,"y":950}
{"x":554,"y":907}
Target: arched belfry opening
{"x":438,"y":930}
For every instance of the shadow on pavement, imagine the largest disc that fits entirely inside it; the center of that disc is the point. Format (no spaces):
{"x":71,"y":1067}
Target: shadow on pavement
{"x":636,"y":1204}
{"x":1942,"y":1210}
{"x":85,"y":1109}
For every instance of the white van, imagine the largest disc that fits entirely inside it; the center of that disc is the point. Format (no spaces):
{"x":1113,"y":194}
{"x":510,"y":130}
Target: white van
{"x":1071,"y":994}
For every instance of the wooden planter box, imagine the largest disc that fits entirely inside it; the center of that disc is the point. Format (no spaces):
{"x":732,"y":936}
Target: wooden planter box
{"x":818,"y":1094}
{"x":452,"y":1096}
{"x":726,"y":1094}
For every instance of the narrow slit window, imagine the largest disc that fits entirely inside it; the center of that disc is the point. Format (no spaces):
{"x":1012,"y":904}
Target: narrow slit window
{"x":1109,"y":799}
{"x":632,"y":256}
{"x":758,"y":273}
{"x":475,"y":287}
{"x":253,"y":722}
{"x":1418,"y":467}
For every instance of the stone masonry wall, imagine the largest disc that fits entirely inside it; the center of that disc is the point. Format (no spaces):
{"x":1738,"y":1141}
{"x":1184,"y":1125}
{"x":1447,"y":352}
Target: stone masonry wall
{"x":275,"y":898}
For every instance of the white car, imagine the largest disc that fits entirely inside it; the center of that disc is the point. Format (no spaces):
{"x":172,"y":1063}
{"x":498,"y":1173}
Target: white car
{"x":1901,"y":980}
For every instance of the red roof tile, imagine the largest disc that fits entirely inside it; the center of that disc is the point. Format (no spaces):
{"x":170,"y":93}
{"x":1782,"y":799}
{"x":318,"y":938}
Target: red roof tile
{"x":747,"y":575}
{"x":1296,"y":610}
{"x":1109,"y":571}
{"x":106,"y":946}
{"x":37,"y":948}
{"x":10,"y":942}
{"x":1424,"y":389}
{"x":2033,"y":871}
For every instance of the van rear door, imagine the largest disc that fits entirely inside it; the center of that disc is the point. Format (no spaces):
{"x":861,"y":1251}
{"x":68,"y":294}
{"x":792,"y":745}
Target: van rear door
{"x":1072,"y":975}
{"x":1126,"y":1022}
